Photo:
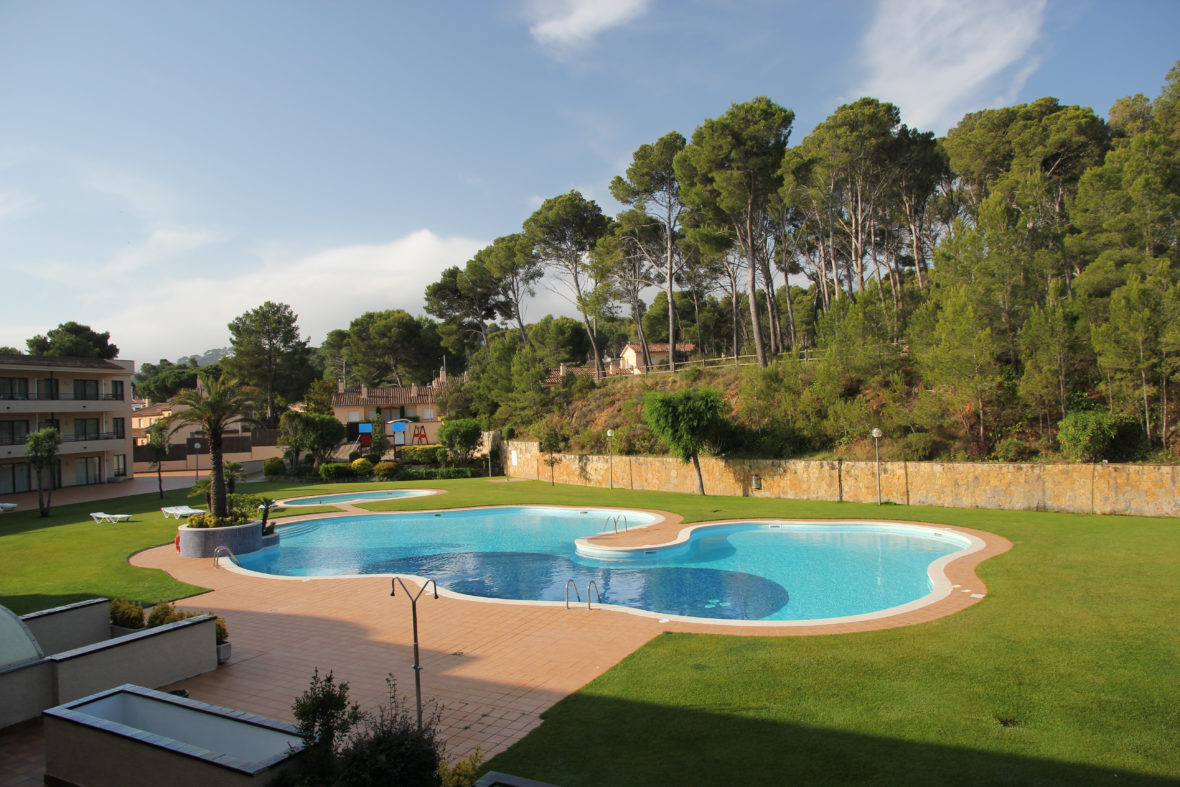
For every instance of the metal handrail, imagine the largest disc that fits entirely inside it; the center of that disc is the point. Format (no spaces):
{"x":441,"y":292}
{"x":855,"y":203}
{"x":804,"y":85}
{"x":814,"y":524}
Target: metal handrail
{"x":219,"y":550}
{"x":592,"y":584}
{"x":569,"y":582}
{"x":615,"y":521}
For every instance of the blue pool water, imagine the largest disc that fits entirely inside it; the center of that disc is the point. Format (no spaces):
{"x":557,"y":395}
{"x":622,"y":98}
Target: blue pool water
{"x":747,"y":571}
{"x":343,"y":497}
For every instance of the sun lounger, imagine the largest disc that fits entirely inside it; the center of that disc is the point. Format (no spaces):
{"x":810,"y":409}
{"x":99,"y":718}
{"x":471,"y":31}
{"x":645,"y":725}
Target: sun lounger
{"x":110,"y":519}
{"x":6,"y":507}
{"x":176,"y":512}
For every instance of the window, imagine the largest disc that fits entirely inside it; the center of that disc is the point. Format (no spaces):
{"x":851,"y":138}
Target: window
{"x":14,"y":388}
{"x":85,"y":389}
{"x":354,"y":416}
{"x":117,"y":390}
{"x":427,"y":413}
{"x":120,"y":464}
{"x":86,"y":470}
{"x":118,"y":428}
{"x":14,"y":478}
{"x":86,"y":428}
{"x":13,"y":432}
{"x":47,"y":389}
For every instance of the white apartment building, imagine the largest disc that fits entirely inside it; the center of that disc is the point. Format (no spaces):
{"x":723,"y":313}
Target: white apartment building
{"x":88,"y":400}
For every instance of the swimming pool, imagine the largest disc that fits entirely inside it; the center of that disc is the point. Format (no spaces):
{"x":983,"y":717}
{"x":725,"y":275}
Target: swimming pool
{"x":344,"y":497}
{"x":738,"y":571}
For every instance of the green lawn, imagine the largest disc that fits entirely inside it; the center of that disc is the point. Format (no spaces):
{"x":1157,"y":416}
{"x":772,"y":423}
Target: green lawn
{"x":1066,"y":673}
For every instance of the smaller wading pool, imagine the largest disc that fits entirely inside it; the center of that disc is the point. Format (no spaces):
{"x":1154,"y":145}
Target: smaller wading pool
{"x":348,"y":497}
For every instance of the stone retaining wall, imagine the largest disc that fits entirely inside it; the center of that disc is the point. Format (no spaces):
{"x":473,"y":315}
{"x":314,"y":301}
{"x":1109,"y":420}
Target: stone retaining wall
{"x":1141,"y":490}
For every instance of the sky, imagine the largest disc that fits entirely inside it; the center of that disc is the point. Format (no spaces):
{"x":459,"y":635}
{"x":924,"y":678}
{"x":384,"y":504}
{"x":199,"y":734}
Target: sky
{"x":166,"y":167}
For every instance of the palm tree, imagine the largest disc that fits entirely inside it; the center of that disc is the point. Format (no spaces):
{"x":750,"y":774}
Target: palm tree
{"x":41,"y":454}
{"x":212,"y":405}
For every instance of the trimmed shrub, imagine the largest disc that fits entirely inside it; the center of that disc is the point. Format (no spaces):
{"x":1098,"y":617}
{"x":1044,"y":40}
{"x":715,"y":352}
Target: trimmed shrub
{"x":361,"y":468}
{"x":166,"y":613}
{"x":1094,"y":435}
{"x":336,"y":471}
{"x":429,"y":455}
{"x":274,"y":467}
{"x":433,"y":473}
{"x":385,"y":471}
{"x":128,"y":614}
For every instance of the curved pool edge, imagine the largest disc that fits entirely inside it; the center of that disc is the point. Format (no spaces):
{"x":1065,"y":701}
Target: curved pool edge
{"x":956,"y":586}
{"x":292,"y":502}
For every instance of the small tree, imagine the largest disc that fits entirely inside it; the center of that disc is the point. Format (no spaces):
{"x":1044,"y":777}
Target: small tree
{"x":379,"y":442}
{"x":550,"y":442}
{"x":157,"y":451}
{"x":324,"y":434}
{"x":41,"y":452}
{"x":684,"y":422}
{"x":461,"y":437}
{"x":234,"y":472}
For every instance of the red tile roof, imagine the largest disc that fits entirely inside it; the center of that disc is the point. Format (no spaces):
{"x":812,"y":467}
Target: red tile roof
{"x":383,"y":397}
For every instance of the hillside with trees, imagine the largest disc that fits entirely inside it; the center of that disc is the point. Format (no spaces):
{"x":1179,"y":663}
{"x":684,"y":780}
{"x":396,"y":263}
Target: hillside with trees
{"x":1010,"y":291}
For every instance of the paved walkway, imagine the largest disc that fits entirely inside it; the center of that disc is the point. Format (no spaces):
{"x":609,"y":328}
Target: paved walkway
{"x":491,"y":667}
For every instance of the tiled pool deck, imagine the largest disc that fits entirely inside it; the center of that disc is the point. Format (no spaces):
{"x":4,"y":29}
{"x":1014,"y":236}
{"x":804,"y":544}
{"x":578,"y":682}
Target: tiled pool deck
{"x":491,"y":667}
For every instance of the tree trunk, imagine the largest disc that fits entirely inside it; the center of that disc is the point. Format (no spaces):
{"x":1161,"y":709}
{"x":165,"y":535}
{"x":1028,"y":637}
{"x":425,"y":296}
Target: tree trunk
{"x":160,"y":479}
{"x":217,"y":476}
{"x":669,"y":247}
{"x":696,"y":463}
{"x":42,"y":507}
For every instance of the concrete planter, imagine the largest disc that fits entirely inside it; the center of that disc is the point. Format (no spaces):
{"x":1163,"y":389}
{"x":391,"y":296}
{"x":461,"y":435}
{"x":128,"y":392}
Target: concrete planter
{"x":202,"y":541}
{"x":223,"y":652}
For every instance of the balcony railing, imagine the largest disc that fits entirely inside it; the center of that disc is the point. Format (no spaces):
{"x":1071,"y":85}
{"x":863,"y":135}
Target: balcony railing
{"x":65,"y":396}
{"x":81,"y":438}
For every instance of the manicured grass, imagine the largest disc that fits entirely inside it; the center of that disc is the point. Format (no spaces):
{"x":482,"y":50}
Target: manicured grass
{"x":1076,"y":647}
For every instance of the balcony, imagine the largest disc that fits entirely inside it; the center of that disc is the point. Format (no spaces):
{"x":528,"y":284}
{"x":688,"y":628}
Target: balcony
{"x":62,"y":396}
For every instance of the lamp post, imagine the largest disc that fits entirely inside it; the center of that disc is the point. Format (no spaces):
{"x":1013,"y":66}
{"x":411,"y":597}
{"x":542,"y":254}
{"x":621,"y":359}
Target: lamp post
{"x":610,"y":452}
{"x":414,"y":613}
{"x":877,"y":435}
{"x":197,"y":461}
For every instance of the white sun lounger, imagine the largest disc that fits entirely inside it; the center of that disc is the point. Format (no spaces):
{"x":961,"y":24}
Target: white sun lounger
{"x":176,"y":512}
{"x":110,"y":519}
{"x":6,"y":507}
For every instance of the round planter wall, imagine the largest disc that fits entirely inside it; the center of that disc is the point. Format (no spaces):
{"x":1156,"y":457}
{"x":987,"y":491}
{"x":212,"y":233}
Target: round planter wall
{"x":201,"y":541}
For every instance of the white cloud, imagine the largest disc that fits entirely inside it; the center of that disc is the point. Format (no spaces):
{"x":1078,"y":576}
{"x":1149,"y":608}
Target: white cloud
{"x":938,"y":59}
{"x":175,"y":315}
{"x":564,"y":26}
{"x":13,"y":203}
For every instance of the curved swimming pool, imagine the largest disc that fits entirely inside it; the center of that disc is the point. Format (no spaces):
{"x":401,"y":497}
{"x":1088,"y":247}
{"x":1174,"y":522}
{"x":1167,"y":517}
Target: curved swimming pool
{"x":752,"y":571}
{"x":347,"y":497}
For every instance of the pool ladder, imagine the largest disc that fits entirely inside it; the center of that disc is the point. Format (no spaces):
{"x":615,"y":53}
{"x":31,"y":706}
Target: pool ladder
{"x":590,"y":584}
{"x":614,"y":520}
{"x":224,"y":550}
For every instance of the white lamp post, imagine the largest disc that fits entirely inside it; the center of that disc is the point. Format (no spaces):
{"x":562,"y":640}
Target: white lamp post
{"x":197,"y":460}
{"x":877,"y":435}
{"x":610,"y":452}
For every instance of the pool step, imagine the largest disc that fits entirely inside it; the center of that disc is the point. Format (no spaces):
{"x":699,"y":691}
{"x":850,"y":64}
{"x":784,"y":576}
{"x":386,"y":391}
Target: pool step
{"x":298,"y":529}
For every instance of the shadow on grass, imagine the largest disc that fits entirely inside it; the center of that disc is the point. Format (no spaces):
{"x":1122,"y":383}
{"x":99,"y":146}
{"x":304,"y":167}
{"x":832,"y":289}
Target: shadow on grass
{"x":588,"y":740}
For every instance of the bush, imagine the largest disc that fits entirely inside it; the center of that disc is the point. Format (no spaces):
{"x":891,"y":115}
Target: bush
{"x":222,"y":631}
{"x":429,"y":455}
{"x":355,"y":454}
{"x":361,"y":468}
{"x":375,"y":457}
{"x":166,"y":613}
{"x":385,"y":471}
{"x":1094,"y":435}
{"x":344,"y":745}
{"x":128,"y":614}
{"x":274,"y":467}
{"x":917,"y":447}
{"x":433,"y":473}
{"x":1013,"y":450}
{"x":335,"y":471}
{"x":461,"y":436}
